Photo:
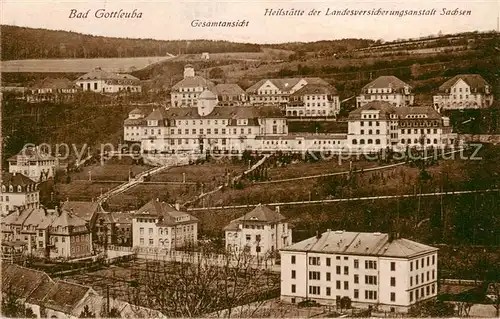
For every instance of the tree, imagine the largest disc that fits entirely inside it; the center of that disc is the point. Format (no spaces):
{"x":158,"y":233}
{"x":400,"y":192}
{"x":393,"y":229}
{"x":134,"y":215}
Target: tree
{"x":13,"y":308}
{"x":216,"y":73}
{"x":86,"y":313}
{"x":432,"y":308}
{"x":205,"y":283}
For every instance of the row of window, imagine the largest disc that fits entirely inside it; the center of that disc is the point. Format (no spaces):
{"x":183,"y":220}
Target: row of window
{"x":431,"y":260}
{"x":423,"y":292}
{"x":417,"y":141}
{"x":415,"y":131}
{"x":369,"y":141}
{"x":165,"y":242}
{"x":29,"y":188}
{"x":370,"y":132}
{"x":422,"y":277}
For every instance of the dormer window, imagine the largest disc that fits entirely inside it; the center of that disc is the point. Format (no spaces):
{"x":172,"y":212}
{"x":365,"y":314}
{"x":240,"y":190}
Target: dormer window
{"x":4,"y":189}
{"x":11,"y":189}
{"x":19,"y":189}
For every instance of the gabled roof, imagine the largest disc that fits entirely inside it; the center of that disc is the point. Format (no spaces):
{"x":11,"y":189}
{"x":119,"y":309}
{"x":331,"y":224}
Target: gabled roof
{"x":316,"y":89}
{"x":135,"y":111}
{"x":228,"y":89}
{"x":66,"y":219}
{"x":64,"y":296}
{"x":55,"y":83}
{"x":194,"y":81}
{"x":284,"y":85}
{"x":367,"y":244}
{"x":16,"y":179}
{"x":260,"y":214}
{"x":84,"y":210}
{"x":387,"y":108}
{"x":475,"y":81}
{"x":165,"y":212}
{"x":23,"y":281}
{"x":32,"y":154}
{"x":386,"y":81}
{"x":158,"y":114}
{"x":207,"y":95}
{"x":430,"y":112}
{"x":134,"y":122}
{"x":100,"y":74}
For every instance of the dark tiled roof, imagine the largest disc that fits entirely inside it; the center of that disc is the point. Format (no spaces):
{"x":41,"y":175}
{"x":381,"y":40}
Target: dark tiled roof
{"x":23,"y":281}
{"x":66,"y":219}
{"x":476,"y":82}
{"x":65,"y":296}
{"x":368,"y":244}
{"x":260,"y":214}
{"x":386,"y":81}
{"x":387,"y":108}
{"x":228,"y":89}
{"x":136,"y":111}
{"x":100,"y":74}
{"x":16,"y":179}
{"x":84,"y":210}
{"x":158,"y":114}
{"x":194,"y":81}
{"x":165,"y":211}
{"x":52,"y":83}
{"x":315,"y":89}
{"x":284,"y":85}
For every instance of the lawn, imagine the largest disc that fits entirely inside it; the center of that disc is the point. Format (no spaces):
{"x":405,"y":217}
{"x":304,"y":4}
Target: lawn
{"x":80,"y":65}
{"x":112,"y":170}
{"x":82,"y":191}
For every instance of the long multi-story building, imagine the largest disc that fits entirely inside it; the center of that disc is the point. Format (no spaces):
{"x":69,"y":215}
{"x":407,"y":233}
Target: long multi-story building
{"x":17,"y":191}
{"x":388,"y":89}
{"x":53,"y":90}
{"x":262,"y":231}
{"x":464,"y":91}
{"x":101,"y":81}
{"x":278,"y":91}
{"x":371,"y":269}
{"x":313,"y":100}
{"x":133,"y":126}
{"x":161,"y":225}
{"x":34,"y":163}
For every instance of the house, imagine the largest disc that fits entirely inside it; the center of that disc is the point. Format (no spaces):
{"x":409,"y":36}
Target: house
{"x":19,"y":191}
{"x":88,"y":211}
{"x":132,"y":126}
{"x":53,"y":90}
{"x":371,"y":269}
{"x":230,"y":95}
{"x":185,"y":92}
{"x":380,"y":125}
{"x":53,"y":298}
{"x":205,"y":56}
{"x":161,"y":225}
{"x":278,"y":91}
{"x":34,"y":163}
{"x":314,"y":100}
{"x":114,"y":228}
{"x":101,"y":81}
{"x":386,"y":88}
{"x":464,"y":91}
{"x":262,"y":231}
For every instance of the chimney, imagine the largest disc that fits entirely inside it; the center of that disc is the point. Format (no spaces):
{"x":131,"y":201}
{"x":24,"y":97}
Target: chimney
{"x":177,"y":206}
{"x":277,"y":209}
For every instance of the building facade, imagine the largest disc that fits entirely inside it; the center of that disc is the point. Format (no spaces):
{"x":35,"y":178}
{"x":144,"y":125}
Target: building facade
{"x":278,"y":91}
{"x":388,"y":89}
{"x":380,"y":125}
{"x":314,"y":100}
{"x":100,"y":81}
{"x":161,"y":225}
{"x":230,"y":95}
{"x":53,"y":90}
{"x":34,"y":163}
{"x":18,"y":191}
{"x":373,"y":270}
{"x":464,"y":91}
{"x":133,"y":126}
{"x":185,"y":92}
{"x":262,"y":231}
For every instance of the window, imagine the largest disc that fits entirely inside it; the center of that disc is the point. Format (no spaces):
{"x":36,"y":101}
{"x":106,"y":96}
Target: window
{"x":314,"y":261}
{"x":141,"y":230}
{"x":433,"y":273}
{"x":356,"y":279}
{"x":257,"y":249}
{"x":411,"y":296}
{"x":370,"y":294}
{"x":433,"y":287}
{"x":293,"y":260}
{"x":416,"y":264}
{"x":346,"y":285}
{"x":370,"y":264}
{"x":328,"y":261}
{"x":428,"y":276}
{"x":416,"y":280}
{"x":433,"y":260}
{"x":151,"y":241}
{"x":346,"y":270}
{"x":293,"y":288}
{"x":356,"y":294}
{"x":411,"y":281}
{"x":314,"y":290}
{"x":293,"y":274}
{"x":248,"y":237}
{"x":411,"y":265}
{"x":328,"y":291}
{"x":422,"y":277}
{"x":314,"y":275}
{"x":338,"y":258}
{"x":393,"y":296}
{"x":356,"y":263}
{"x":393,"y":281}
{"x":328,"y":276}
{"x":393,"y":266}
{"x":370,"y":280}
{"x":63,"y":239}
{"x":338,"y":284}
{"x":338,"y":270}
{"x":427,"y":290}
{"x":422,"y":263}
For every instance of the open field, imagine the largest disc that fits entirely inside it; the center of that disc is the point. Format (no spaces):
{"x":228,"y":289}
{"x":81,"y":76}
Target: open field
{"x":82,"y":191}
{"x":112,"y":170}
{"x":80,"y":65}
{"x":265,"y":54}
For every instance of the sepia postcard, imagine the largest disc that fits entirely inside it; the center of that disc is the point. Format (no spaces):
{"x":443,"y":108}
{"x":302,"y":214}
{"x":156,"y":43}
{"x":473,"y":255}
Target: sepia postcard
{"x":250,"y":159}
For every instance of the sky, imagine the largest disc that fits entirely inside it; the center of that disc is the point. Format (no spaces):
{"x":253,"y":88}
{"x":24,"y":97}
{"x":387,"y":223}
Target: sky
{"x":171,"y":20}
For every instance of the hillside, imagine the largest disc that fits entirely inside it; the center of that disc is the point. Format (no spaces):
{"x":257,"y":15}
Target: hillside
{"x":28,"y":43}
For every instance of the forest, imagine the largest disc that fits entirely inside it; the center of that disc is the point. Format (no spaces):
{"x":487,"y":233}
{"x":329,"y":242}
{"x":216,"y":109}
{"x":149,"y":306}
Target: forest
{"x":28,"y":43}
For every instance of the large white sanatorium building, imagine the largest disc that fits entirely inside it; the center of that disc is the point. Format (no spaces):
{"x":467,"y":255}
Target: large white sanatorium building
{"x":386,"y":88}
{"x":372,"y":269}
